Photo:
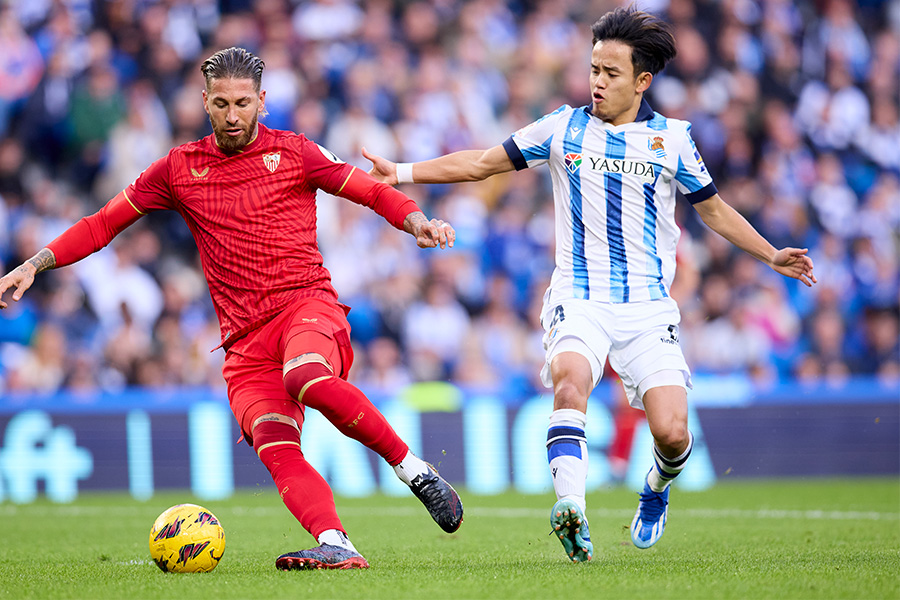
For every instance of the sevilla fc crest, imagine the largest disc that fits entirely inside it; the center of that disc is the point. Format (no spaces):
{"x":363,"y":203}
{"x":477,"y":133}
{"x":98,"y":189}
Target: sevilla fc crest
{"x":271,"y":160}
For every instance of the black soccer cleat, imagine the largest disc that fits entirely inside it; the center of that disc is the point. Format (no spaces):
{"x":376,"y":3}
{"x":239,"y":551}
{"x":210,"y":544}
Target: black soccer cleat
{"x":325,"y":556}
{"x":439,"y":498}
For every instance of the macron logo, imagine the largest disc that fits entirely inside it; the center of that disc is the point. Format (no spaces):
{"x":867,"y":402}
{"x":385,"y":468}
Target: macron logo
{"x":574,"y":132}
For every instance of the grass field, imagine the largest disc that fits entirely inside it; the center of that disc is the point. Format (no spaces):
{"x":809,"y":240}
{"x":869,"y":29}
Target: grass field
{"x":811,"y":539}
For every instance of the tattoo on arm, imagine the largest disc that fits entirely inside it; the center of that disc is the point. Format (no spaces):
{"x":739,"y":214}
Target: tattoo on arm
{"x":43,"y":260}
{"x":413,"y":221}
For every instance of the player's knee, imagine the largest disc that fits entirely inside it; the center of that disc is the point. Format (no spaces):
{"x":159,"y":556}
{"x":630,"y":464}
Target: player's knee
{"x":568,"y":394}
{"x":672,"y":438}
{"x":302,"y":372}
{"x":274,"y":431}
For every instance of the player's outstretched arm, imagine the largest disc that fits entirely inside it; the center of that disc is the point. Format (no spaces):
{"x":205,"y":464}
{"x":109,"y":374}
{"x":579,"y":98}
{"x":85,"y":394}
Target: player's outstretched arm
{"x":727,"y":222}
{"x":22,"y":277}
{"x":429,"y":234}
{"x":466,"y":165}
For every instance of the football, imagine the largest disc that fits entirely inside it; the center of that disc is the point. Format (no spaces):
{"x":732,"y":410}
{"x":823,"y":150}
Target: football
{"x":187,"y":539}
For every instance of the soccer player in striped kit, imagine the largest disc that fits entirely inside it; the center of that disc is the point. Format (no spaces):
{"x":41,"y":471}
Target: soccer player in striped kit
{"x":248,"y":195}
{"x":615,"y":166}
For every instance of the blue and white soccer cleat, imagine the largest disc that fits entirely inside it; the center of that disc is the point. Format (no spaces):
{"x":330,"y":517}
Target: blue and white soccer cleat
{"x":650,"y":518}
{"x":325,"y":556}
{"x":571,"y":527}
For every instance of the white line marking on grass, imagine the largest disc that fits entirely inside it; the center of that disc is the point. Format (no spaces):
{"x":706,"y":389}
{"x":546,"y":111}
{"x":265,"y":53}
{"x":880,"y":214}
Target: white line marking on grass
{"x":25,"y":510}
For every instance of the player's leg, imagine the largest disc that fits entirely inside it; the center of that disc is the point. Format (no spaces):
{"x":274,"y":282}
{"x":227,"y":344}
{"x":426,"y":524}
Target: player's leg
{"x":655,"y":377}
{"x":576,"y":348}
{"x":276,"y":439}
{"x":315,"y":368}
{"x":271,"y":423}
{"x":666,"y":409}
{"x":567,"y":449}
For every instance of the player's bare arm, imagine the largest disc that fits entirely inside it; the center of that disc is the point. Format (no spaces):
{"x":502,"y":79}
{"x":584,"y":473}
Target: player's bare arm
{"x":23,"y":276}
{"x":466,"y":165}
{"x":727,"y":222}
{"x":429,"y":234}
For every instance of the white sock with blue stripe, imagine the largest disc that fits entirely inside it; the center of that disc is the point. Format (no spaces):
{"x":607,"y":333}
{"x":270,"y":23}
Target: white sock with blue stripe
{"x":567,"y":454}
{"x":664,"y":469}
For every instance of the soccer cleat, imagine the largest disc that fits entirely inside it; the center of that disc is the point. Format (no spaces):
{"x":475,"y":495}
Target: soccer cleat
{"x":571,"y":527}
{"x":325,"y":556}
{"x":650,"y":518}
{"x":439,"y":498}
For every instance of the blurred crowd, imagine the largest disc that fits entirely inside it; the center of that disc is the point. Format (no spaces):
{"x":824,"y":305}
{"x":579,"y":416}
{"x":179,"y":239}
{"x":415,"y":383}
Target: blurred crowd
{"x":794,"y":108}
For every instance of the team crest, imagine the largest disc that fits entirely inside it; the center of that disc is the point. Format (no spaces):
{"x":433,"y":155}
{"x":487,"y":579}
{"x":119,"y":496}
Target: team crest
{"x":271,"y":160}
{"x":656,"y":145}
{"x":573,"y":161}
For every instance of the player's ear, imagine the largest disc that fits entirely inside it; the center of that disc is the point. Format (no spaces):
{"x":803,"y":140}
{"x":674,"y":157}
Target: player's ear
{"x":262,"y":102}
{"x":205,"y":101}
{"x":643,"y":82}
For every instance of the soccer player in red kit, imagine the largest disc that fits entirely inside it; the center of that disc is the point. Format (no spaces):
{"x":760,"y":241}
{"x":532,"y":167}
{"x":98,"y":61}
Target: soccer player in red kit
{"x":248,"y":193}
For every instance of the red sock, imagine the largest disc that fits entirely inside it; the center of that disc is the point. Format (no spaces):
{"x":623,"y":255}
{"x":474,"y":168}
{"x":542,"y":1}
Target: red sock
{"x":302,"y":489}
{"x":355,"y":416}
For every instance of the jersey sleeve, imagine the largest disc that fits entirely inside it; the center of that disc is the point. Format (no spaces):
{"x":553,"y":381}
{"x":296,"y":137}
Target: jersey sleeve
{"x":530,"y":146}
{"x":692,"y":177}
{"x":93,"y":232}
{"x":151,"y":190}
{"x":329,"y":173}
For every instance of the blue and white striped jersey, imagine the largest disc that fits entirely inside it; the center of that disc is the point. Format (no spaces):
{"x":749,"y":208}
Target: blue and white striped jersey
{"x":614,"y":193}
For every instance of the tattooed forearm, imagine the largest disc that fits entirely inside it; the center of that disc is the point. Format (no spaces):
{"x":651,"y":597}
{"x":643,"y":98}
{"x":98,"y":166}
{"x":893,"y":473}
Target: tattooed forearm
{"x":43,"y":260}
{"x":413,"y":221}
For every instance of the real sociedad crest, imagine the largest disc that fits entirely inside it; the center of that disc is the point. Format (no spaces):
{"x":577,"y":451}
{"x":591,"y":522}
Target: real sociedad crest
{"x":655,"y":144}
{"x":271,"y":160}
{"x":573,"y":161}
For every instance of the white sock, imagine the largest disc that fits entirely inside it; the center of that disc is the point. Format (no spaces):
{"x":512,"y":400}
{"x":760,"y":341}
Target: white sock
{"x":410,"y":467}
{"x":665,"y":470}
{"x":336,"y":537}
{"x":567,"y":454}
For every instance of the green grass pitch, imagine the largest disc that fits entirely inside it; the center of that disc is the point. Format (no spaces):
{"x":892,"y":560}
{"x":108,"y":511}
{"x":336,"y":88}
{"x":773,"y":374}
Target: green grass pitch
{"x":741,"y":539}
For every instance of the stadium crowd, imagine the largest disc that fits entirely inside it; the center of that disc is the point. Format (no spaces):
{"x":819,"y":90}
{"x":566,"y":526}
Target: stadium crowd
{"x":794,"y":108}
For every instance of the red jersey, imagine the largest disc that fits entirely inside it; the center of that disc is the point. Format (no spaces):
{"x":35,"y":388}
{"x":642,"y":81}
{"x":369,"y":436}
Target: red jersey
{"x":252,"y":215}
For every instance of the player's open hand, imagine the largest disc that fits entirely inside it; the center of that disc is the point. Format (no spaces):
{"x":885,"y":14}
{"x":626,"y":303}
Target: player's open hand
{"x":434,"y":233}
{"x":382,"y":169}
{"x":793,"y":262}
{"x":20,"y":278}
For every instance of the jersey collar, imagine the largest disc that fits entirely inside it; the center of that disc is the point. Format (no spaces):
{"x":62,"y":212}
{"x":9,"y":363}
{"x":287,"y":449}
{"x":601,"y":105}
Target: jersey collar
{"x":645,"y":113}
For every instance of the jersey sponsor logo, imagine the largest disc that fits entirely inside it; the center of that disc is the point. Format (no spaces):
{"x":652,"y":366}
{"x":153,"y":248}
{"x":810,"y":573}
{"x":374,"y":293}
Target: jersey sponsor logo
{"x":271,"y":160}
{"x":329,"y":155}
{"x":573,"y":161}
{"x":624,"y":166}
{"x":655,"y":144}
{"x":199,"y":174}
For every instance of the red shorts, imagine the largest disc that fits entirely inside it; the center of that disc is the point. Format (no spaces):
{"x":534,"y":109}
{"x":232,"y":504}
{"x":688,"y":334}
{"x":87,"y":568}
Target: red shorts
{"x":254,"y":364}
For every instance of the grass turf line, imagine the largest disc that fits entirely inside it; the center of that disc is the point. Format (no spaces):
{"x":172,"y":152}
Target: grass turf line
{"x":809,"y":539}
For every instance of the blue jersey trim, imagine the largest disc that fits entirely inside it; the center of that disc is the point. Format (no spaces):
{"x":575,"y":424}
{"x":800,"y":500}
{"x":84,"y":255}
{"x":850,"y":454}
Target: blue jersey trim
{"x":573,"y":142}
{"x":618,"y":261}
{"x":515,"y":155}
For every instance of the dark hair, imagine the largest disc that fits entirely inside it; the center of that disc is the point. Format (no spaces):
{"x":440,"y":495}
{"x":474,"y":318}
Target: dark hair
{"x":233,"y":63}
{"x":651,"y":40}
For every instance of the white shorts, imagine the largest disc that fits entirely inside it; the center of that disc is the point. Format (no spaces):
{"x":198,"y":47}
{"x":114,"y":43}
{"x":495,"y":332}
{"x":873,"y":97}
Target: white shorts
{"x":640,"y":339}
